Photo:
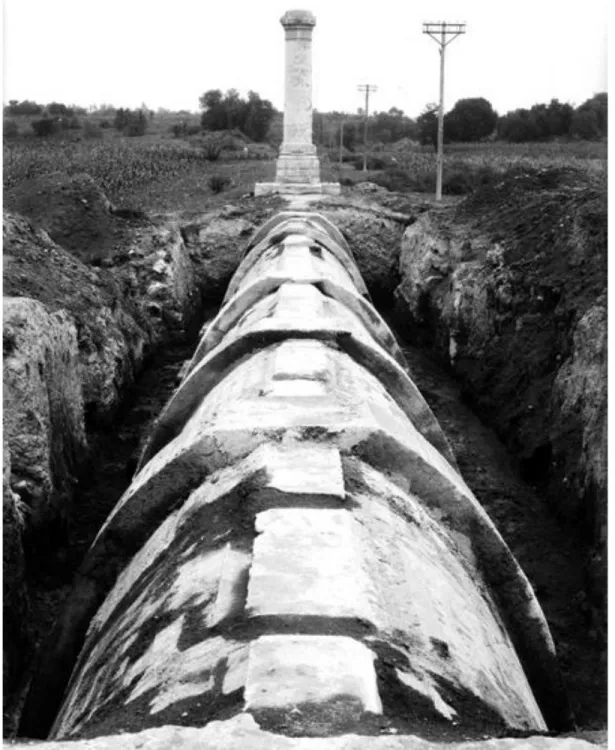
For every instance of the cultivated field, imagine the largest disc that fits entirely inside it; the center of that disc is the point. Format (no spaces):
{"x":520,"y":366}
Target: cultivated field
{"x":157,"y":172}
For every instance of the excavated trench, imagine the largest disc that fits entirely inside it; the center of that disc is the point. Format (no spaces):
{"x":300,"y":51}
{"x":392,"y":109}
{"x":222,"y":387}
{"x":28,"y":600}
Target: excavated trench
{"x":550,"y":554}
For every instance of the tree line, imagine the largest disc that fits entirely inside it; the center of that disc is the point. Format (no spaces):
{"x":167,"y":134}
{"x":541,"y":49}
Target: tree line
{"x":470,"y":120}
{"x":475,"y":119}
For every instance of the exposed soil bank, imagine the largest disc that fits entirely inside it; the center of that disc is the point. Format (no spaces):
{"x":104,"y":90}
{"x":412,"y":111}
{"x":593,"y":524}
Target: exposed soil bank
{"x":81,"y":320}
{"x":508,"y":290}
{"x":113,"y":449}
{"x":551,"y":553}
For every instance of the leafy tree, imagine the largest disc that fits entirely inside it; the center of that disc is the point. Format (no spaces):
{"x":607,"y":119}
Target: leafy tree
{"x":10,"y":129}
{"x":553,"y":120}
{"x":559,"y":118}
{"x":130,"y":122}
{"x":26,"y":107}
{"x":259,"y":115}
{"x":392,"y":126}
{"x":427,"y":123}
{"x":59,"y":110}
{"x":350,"y":135}
{"x":590,"y":120}
{"x":229,"y":111}
{"x":518,"y":126}
{"x":44,"y":127}
{"x":470,"y":120}
{"x":585,"y":124}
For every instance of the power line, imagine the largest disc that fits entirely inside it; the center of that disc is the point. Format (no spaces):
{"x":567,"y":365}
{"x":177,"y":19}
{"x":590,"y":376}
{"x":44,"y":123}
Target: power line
{"x":367,"y":87}
{"x":439,"y":32}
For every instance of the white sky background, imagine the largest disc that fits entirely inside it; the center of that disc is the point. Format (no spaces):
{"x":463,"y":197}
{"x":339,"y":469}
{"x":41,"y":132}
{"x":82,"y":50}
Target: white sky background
{"x":166,"y":54}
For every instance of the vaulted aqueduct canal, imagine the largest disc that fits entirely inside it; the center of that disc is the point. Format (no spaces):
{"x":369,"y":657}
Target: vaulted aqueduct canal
{"x":276,"y":304}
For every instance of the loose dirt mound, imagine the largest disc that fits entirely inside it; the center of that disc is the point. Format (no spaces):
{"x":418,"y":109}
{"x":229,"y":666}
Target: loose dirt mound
{"x":75,"y":213}
{"x":552,"y":227}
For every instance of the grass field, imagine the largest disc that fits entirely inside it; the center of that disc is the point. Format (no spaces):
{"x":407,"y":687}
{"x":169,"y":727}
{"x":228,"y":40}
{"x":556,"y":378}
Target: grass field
{"x":157,"y":172}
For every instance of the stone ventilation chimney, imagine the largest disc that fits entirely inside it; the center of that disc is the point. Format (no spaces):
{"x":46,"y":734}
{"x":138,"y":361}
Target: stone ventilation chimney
{"x":298,"y":168}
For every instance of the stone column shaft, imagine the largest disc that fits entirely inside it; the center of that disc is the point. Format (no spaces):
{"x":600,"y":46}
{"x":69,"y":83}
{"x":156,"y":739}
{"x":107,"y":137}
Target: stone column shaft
{"x":298,"y":162}
{"x":298,"y":91}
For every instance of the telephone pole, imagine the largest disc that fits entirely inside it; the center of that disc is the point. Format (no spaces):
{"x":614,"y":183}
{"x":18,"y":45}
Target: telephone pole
{"x":439,"y":32}
{"x":367,"y":87}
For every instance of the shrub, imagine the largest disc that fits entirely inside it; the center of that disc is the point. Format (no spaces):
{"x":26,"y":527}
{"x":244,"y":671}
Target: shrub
{"x":134,"y":129}
{"x":92,"y":130}
{"x":44,"y":127}
{"x":373,"y":162}
{"x":397,"y":180}
{"x":59,"y":110}
{"x":131,"y":123}
{"x":217,"y":183}
{"x":25,"y":107}
{"x":10,"y":129}
{"x":212,"y":152}
{"x":73,"y":123}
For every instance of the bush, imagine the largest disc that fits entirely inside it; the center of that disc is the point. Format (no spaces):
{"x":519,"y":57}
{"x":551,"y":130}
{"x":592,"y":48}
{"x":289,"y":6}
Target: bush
{"x":59,"y":110}
{"x":373,"y":162}
{"x":25,"y":107}
{"x":92,"y":130}
{"x":458,"y":178}
{"x":228,"y":111}
{"x":10,"y":129}
{"x":397,"y":180}
{"x":470,"y":120}
{"x":212,"y":152}
{"x":217,"y":183}
{"x":44,"y":127}
{"x":130,"y":122}
{"x":74,"y":123}
{"x":134,"y":129}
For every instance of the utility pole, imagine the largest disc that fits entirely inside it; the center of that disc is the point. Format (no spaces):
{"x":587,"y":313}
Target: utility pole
{"x":439,"y":32}
{"x":367,"y":87}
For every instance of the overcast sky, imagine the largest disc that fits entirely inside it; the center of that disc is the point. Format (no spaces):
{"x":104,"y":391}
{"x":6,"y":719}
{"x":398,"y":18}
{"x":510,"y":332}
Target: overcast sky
{"x":167,"y":53}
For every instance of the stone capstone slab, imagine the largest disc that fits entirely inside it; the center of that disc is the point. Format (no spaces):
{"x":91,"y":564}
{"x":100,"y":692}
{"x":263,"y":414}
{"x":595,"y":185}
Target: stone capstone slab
{"x":308,"y":562}
{"x":318,"y":684}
